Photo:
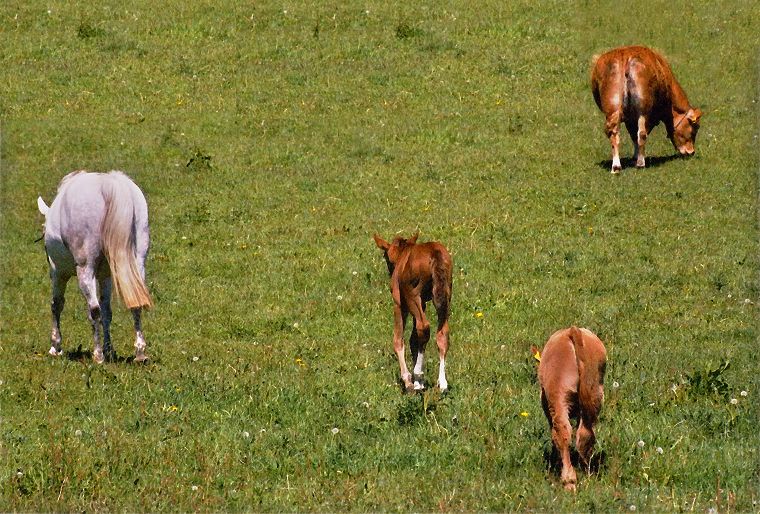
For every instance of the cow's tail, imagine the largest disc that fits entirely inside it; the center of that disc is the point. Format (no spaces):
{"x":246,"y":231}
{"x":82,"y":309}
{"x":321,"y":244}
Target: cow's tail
{"x":590,"y":376}
{"x":441,"y":284}
{"x":119,"y":243}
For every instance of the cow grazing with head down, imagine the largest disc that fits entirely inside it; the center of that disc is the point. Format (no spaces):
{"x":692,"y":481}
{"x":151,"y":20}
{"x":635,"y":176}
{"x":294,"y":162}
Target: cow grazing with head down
{"x":419,"y":273}
{"x":635,"y":85}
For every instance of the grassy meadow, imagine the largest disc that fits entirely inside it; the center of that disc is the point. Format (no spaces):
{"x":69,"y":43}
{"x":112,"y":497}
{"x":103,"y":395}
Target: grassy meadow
{"x":272,"y":140}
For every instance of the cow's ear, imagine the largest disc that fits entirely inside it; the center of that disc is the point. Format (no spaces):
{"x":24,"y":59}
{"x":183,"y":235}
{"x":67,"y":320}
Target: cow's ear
{"x":381,"y":243}
{"x":413,"y":239}
{"x":694,"y":116}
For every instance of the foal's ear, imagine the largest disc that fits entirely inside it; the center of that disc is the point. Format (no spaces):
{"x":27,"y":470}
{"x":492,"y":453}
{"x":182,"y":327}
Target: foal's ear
{"x":413,"y":239}
{"x":381,"y":243}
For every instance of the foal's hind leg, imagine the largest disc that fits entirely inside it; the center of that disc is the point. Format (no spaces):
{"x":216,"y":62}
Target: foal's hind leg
{"x":418,"y":341}
{"x":105,"y":315}
{"x":56,"y":307}
{"x":88,"y":286}
{"x":140,"y":343}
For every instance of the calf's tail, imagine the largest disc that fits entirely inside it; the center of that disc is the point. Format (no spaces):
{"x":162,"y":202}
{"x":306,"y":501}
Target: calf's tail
{"x":590,"y":377}
{"x":119,"y":245}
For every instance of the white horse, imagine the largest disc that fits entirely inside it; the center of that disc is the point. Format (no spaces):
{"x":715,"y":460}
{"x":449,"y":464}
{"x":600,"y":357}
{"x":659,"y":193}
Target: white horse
{"x":97,"y":228}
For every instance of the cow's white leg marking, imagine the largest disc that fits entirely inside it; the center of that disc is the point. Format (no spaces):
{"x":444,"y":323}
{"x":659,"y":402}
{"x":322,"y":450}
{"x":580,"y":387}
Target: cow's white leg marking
{"x":642,"y":139}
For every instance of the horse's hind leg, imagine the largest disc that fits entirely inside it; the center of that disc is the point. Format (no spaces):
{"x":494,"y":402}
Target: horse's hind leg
{"x":88,"y":286}
{"x":140,"y":343}
{"x":418,"y":342}
{"x":105,"y":316}
{"x":56,"y":307}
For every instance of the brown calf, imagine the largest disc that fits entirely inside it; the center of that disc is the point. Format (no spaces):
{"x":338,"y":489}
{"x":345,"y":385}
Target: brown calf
{"x":571,"y":374}
{"x":635,"y":85}
{"x":419,"y":273}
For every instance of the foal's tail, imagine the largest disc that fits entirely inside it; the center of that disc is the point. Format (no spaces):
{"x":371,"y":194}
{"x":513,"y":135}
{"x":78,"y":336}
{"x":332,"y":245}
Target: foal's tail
{"x":590,"y":375}
{"x":441,"y":283}
{"x":119,"y":243}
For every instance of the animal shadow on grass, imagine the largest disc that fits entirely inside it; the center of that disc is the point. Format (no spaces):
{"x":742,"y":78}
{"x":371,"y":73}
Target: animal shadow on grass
{"x":652,"y":162}
{"x":85,"y":356}
{"x":553,"y":461}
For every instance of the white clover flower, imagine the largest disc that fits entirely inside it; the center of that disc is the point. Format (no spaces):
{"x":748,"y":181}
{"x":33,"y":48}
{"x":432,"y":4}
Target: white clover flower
{"x":246,"y":434}
{"x":195,"y":358}
{"x":354,"y":273}
{"x":78,"y":433}
{"x":335,"y":430}
{"x":194,"y":488}
{"x":734,"y":401}
{"x":632,"y":508}
{"x":615,"y":385}
{"x":640,"y":444}
{"x":659,"y":450}
{"x":743,"y":393}
{"x":339,"y":297}
{"x":365,"y":404}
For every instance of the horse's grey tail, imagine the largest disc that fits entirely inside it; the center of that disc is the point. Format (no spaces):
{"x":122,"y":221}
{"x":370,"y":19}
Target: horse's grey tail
{"x":119,"y":243}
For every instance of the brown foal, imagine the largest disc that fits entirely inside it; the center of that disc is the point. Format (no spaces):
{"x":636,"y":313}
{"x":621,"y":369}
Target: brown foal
{"x":419,"y":273}
{"x":571,"y":373}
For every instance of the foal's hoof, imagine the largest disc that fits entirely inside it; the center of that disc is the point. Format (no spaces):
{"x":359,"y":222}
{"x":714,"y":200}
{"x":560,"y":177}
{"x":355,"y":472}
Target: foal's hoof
{"x":142,"y":359}
{"x":419,"y":386}
{"x":98,"y":357}
{"x":54,"y":352}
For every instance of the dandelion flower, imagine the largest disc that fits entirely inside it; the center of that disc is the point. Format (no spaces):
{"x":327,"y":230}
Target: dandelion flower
{"x":524,"y":414}
{"x":478,"y":314}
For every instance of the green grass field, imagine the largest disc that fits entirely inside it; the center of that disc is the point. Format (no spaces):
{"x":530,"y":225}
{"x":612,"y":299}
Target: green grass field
{"x":272,"y":140}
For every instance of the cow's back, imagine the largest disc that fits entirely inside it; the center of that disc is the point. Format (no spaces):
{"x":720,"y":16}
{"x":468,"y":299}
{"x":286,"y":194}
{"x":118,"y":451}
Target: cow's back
{"x":632,"y":79}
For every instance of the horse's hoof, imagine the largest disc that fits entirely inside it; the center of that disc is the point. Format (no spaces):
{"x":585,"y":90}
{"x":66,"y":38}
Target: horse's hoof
{"x":98,"y":357}
{"x":54,"y":352}
{"x":419,"y":387}
{"x":142,"y":359}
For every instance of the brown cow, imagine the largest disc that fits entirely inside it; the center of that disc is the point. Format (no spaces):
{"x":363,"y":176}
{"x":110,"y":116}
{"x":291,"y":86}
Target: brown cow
{"x":571,"y":374}
{"x":419,"y":273}
{"x":635,"y":85}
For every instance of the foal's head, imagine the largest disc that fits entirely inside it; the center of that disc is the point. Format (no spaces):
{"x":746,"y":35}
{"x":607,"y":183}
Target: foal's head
{"x":392,"y":251}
